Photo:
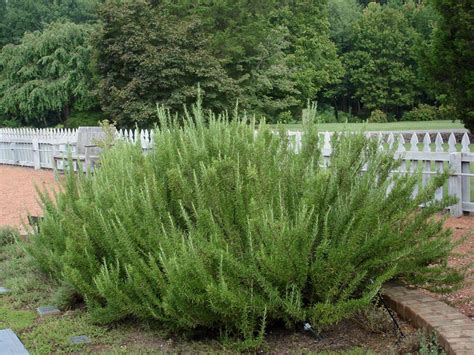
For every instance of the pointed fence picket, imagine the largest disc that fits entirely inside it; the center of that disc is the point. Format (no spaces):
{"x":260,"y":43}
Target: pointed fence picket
{"x":430,"y":156}
{"x":428,"y":153}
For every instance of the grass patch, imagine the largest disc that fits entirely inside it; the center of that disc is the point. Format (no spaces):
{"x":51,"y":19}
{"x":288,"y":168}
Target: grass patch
{"x":29,"y":288}
{"x":52,"y":334}
{"x":389,"y":126}
{"x":15,"y":319}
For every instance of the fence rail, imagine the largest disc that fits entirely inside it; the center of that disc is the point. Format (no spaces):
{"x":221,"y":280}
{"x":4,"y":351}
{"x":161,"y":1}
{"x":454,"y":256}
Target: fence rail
{"x":430,"y":152}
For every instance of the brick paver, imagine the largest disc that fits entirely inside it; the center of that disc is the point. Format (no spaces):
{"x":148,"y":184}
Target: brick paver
{"x":455,"y":331}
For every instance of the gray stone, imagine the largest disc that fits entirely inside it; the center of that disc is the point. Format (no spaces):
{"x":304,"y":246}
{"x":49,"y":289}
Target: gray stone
{"x":4,"y":291}
{"x":80,"y":339}
{"x":10,"y":344}
{"x":48,"y":311}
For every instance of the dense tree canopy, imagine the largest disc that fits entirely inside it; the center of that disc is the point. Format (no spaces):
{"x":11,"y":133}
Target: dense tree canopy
{"x":270,"y":56}
{"x":20,"y":16}
{"x":381,"y":65}
{"x":452,"y":59}
{"x":48,"y":74}
{"x":147,"y":57}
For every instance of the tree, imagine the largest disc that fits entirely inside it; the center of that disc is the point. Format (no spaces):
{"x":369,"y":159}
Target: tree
{"x":20,"y":16}
{"x":48,"y":74}
{"x":148,"y":57}
{"x":278,"y":51}
{"x":312,"y":53}
{"x":253,"y":43}
{"x":381,"y":64}
{"x":343,"y":15}
{"x":452,"y":58}
{"x":422,"y":18}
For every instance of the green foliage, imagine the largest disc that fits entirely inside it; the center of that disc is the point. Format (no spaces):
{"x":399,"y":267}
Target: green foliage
{"x":15,"y":319}
{"x":254,"y":41}
{"x":223,"y":229}
{"x":451,"y":62}
{"x":343,"y":15}
{"x":381,"y":64}
{"x":270,"y":55}
{"x":10,"y":123}
{"x":65,"y":297}
{"x":19,"y":273}
{"x":147,"y":56}
{"x":85,"y":118}
{"x":428,"y":345}
{"x":8,"y":235}
{"x":20,"y":16}
{"x":377,"y":116}
{"x":423,"y":113}
{"x":312,"y":53}
{"x":48,"y":74}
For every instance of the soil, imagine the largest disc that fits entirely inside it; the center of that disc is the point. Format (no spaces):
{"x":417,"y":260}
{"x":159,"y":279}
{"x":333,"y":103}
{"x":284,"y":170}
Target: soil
{"x":346,"y":336}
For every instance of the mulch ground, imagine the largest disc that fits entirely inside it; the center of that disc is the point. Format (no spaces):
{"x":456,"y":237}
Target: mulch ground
{"x":18,"y":199}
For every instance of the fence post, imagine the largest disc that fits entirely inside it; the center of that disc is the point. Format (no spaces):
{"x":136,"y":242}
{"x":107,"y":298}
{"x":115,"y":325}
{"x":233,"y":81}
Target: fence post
{"x":455,"y":182}
{"x":14,"y":153}
{"x":36,"y":154}
{"x":466,"y":182}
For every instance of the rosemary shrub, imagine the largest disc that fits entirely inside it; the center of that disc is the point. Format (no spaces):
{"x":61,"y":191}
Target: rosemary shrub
{"x":225,"y":229}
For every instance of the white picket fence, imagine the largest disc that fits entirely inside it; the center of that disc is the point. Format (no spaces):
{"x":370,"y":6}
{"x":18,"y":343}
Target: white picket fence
{"x":36,"y":148}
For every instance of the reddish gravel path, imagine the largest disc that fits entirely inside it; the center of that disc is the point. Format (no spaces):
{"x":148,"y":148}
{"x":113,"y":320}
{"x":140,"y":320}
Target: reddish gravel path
{"x":464,"y":298}
{"x":18,"y":194}
{"x":18,"y":197}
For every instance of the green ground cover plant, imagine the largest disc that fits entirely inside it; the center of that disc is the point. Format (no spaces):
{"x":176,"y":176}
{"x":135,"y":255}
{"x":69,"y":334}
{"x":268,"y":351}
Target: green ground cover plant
{"x":7,"y":235}
{"x":224,"y":228}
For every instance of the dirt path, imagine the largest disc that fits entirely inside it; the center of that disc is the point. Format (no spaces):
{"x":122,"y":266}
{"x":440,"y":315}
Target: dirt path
{"x":18,"y":194}
{"x":18,"y":198}
{"x":464,"y":298}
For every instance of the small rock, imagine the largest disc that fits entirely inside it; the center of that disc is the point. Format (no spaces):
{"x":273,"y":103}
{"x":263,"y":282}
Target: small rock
{"x":48,"y":311}
{"x":80,"y":339}
{"x":4,"y":291}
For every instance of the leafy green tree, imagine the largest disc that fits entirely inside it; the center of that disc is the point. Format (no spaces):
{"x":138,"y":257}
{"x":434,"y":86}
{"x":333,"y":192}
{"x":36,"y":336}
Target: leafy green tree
{"x":253,"y":43}
{"x":381,"y":64}
{"x":451,"y":62}
{"x":422,"y":18}
{"x":48,"y":74}
{"x":20,"y":16}
{"x":149,"y":57}
{"x":269,"y":87}
{"x":342,"y":16}
{"x":278,"y":51}
{"x":312,"y":53}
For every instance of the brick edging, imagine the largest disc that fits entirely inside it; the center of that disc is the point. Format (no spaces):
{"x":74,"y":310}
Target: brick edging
{"x":454,"y":330}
